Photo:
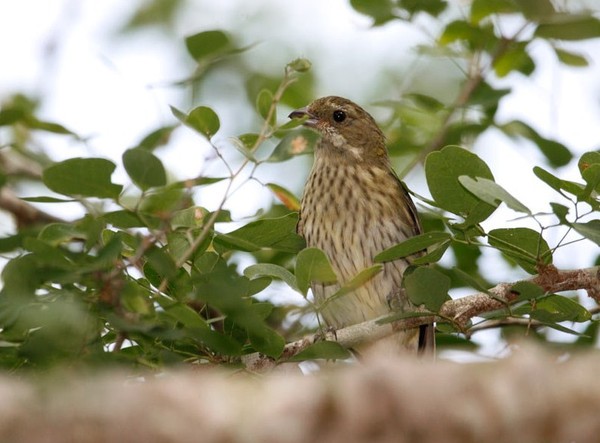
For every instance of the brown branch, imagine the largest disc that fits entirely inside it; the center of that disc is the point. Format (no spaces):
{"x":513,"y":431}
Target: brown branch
{"x":458,"y":311}
{"x":530,"y":397}
{"x":25,"y":215}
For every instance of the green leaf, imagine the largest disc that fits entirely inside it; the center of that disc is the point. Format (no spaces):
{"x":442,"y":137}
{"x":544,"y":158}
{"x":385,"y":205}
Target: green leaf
{"x":266,"y":341}
{"x":589,"y":166}
{"x":432,"y":7}
{"x":312,"y":265}
{"x":327,"y":350}
{"x":524,"y":245}
{"x":556,"y":308}
{"x":288,"y":199}
{"x":157,"y":138}
{"x":202,"y":119}
{"x":427,"y":286}
{"x":123,"y":219}
{"x":298,"y":142}
{"x":88,"y":177}
{"x":557,"y":184}
{"x":356,"y":282}
{"x":163,"y":201}
{"x":207,"y":44}
{"x":556,"y":153}
{"x":144,"y":168}
{"x":412,"y":245}
{"x":43,"y":199}
{"x":433,"y":255}
{"x":443,"y":169}
{"x":57,"y":233}
{"x":460,"y":30}
{"x":271,"y":270}
{"x":571,"y":58}
{"x":264,"y":101}
{"x":590,"y":230}
{"x":492,"y":193}
{"x":561,"y":212}
{"x":185,"y":315}
{"x":275,"y":233}
{"x":569,"y":27}
{"x":515,"y":58}
{"x":217,"y":342}
{"x":536,"y":9}
{"x":481,"y":9}
{"x":380,"y":10}
{"x":527,"y":290}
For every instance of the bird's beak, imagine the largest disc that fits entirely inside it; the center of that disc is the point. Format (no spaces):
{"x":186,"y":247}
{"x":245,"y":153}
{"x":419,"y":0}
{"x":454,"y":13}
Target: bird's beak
{"x":302,"y":113}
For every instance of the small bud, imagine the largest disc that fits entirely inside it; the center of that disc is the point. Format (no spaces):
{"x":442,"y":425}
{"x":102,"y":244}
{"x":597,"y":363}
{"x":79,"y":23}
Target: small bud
{"x":300,"y":65}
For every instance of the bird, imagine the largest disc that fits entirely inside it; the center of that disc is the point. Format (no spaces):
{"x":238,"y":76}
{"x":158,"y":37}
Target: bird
{"x":353,"y":207}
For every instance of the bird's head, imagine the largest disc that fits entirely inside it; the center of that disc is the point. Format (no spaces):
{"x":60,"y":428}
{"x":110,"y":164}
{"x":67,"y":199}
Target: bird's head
{"x":347,"y":130}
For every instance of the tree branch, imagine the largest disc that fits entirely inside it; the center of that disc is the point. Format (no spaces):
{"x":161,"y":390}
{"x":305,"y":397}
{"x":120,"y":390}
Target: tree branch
{"x":458,"y":311}
{"x":533,"y":396}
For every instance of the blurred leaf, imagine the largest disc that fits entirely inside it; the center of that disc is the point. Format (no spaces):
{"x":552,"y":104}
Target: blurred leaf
{"x":327,"y":350}
{"x":266,"y":341}
{"x":556,"y":308}
{"x":47,"y":200}
{"x":569,"y":27}
{"x":380,"y":10}
{"x":442,"y":170}
{"x":481,"y":9}
{"x":217,"y":342}
{"x":524,"y":245}
{"x":312,"y":265}
{"x":157,"y":138}
{"x":207,"y":43}
{"x":271,"y":270}
{"x":492,"y":193}
{"x":288,"y":199}
{"x":427,"y":286}
{"x":514,"y":58}
{"x":298,"y":142}
{"x":144,"y":168}
{"x":202,"y":119}
{"x":412,"y":245}
{"x":154,"y":13}
{"x":192,"y":217}
{"x":556,"y":153}
{"x":571,"y":58}
{"x":123,"y":219}
{"x":88,"y":177}
{"x":264,"y":101}
{"x":432,"y":7}
{"x":185,"y":315}
{"x":57,"y":233}
{"x":477,"y":37}
{"x":536,"y":10}
{"x":590,"y":230}
{"x":527,"y":290}
{"x":276,"y":233}
{"x":163,"y":201}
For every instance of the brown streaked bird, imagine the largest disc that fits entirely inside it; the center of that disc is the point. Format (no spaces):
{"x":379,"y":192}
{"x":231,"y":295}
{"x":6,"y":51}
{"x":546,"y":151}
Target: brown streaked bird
{"x":353,"y":207}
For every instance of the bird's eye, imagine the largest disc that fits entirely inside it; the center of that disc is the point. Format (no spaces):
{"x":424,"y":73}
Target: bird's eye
{"x":339,"y":116}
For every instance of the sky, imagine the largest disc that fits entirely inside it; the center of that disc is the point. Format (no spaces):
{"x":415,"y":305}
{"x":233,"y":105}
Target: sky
{"x":112,"y":89}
